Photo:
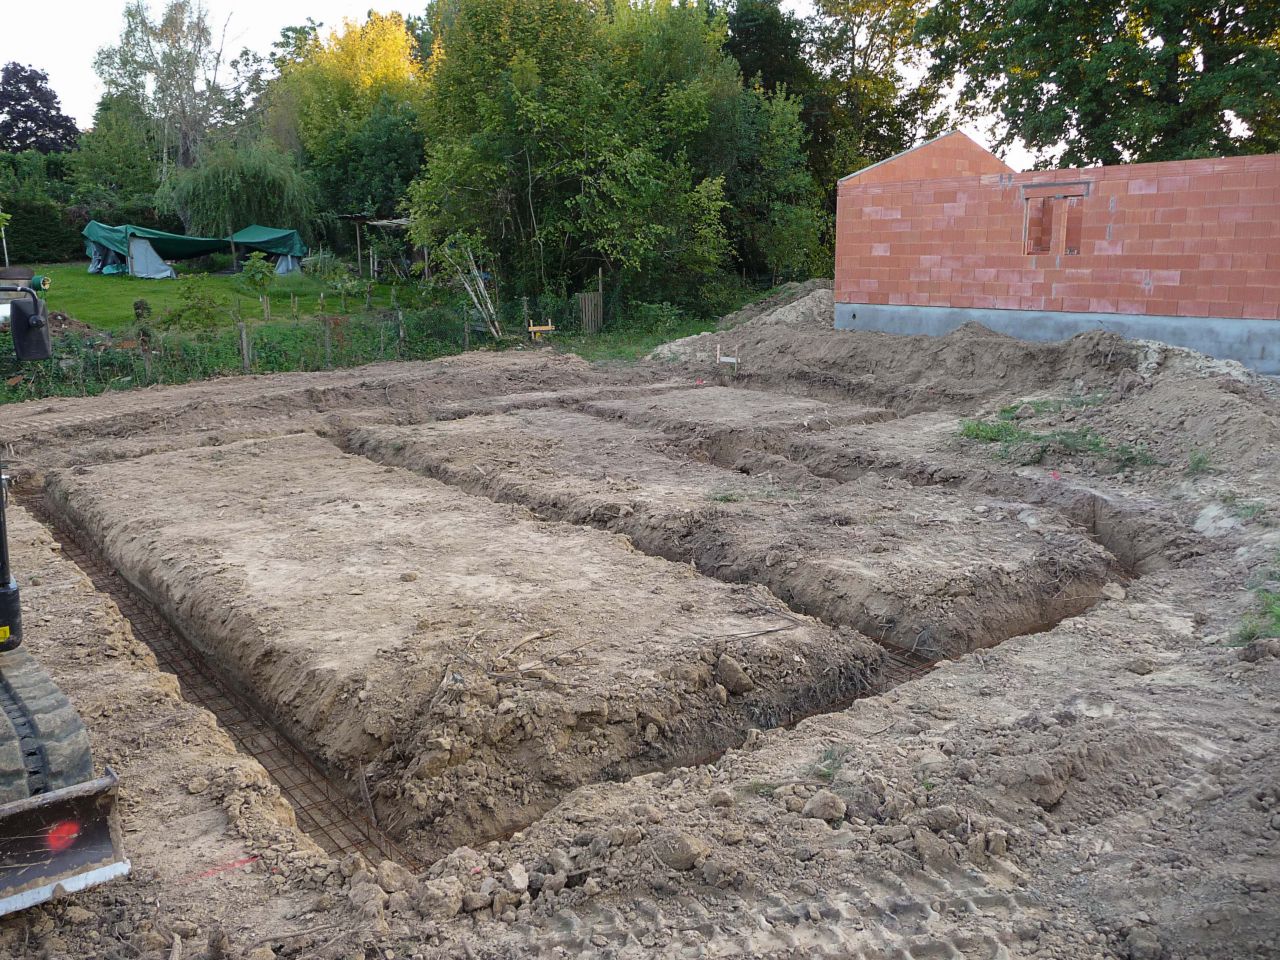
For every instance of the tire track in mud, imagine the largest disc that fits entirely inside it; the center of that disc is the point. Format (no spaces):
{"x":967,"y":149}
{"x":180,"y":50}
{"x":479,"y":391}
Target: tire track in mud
{"x":322,"y":809}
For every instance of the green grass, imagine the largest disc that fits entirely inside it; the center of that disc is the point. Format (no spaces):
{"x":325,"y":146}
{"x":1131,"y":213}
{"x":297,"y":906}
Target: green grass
{"x":107,"y":302}
{"x":1264,"y":620}
{"x":84,"y":365}
{"x":1244,"y":509}
{"x":1023,"y":446}
{"x":626,"y":344}
{"x":994,"y":431}
{"x":730,"y":497}
{"x":1198,"y":464}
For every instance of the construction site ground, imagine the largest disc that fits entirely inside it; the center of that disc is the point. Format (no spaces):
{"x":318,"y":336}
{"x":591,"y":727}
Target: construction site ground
{"x":858,"y":646}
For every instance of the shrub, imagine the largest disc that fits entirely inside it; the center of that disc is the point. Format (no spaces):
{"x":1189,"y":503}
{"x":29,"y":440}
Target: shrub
{"x":41,"y":231}
{"x":258,"y":273}
{"x":199,"y":308}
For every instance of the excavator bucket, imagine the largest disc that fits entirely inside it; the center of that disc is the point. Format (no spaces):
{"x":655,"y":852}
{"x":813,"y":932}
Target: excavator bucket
{"x":59,"y":842}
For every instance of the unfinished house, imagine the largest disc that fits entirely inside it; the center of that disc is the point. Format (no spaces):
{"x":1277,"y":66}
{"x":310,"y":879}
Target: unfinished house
{"x":1187,"y":252}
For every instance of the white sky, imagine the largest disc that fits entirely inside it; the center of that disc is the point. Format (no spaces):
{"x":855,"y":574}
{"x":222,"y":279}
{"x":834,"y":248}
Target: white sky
{"x":61,"y":38}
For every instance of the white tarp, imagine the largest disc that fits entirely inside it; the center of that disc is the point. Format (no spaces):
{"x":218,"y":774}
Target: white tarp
{"x":287,"y":264}
{"x":145,"y":262}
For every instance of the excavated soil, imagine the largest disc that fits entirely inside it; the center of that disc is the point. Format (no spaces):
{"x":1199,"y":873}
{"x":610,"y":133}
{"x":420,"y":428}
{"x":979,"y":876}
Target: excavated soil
{"x":612,"y":650}
{"x":465,"y":665}
{"x":895,"y":562}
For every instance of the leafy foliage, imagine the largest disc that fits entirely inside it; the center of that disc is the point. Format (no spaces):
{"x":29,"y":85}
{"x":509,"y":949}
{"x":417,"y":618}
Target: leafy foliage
{"x":30,"y":115}
{"x":235,"y":186}
{"x":350,"y":104}
{"x":873,"y":104}
{"x":258,"y":273}
{"x":572,"y":139}
{"x":1085,"y":82}
{"x":114,"y":171}
{"x":199,"y":307}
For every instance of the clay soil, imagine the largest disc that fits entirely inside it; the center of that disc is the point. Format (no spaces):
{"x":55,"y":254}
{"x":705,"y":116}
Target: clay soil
{"x":616,"y":655}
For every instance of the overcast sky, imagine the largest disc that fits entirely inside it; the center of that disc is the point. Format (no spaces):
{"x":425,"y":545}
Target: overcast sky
{"x":61,"y":37}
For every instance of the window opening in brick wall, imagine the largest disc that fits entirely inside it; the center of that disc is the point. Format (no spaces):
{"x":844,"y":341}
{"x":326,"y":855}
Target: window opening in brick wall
{"x":1075,"y":224}
{"x":1039,"y":224}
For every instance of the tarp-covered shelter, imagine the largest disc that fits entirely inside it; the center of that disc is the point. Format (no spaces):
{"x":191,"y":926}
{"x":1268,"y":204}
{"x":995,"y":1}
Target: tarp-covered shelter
{"x":285,"y":245}
{"x":142,"y":252}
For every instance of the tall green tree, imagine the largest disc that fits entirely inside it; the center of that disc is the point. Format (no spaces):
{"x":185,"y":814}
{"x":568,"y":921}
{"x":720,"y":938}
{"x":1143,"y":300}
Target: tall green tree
{"x":874,"y":101}
{"x":769,"y":43}
{"x":1086,"y":81}
{"x":349,"y":104}
{"x":564,"y":138}
{"x":113,"y":173}
{"x":174,"y":66}
{"x":779,"y":219}
{"x":235,"y":185}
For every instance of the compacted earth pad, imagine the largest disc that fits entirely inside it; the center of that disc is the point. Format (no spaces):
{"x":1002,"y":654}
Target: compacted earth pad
{"x":937,"y":571}
{"x":463,"y":664}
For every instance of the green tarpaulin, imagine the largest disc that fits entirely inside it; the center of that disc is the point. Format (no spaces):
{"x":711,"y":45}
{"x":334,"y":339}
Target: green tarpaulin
{"x":270,"y":240}
{"x":170,"y":246}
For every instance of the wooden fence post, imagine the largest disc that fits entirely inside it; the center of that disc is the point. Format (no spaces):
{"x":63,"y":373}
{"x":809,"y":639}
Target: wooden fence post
{"x":400,"y":334}
{"x":328,"y":343}
{"x":246,"y":357}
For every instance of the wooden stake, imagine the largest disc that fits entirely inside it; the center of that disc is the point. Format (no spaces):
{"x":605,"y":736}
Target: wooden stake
{"x":246,"y":359}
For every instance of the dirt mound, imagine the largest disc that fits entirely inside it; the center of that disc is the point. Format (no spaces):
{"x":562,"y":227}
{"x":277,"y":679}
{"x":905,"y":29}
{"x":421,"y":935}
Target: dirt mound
{"x":794,"y":348}
{"x":785,"y":295}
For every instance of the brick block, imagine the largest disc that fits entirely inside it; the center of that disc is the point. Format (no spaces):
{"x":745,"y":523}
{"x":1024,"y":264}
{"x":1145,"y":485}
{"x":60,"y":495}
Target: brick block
{"x":1262,"y":310}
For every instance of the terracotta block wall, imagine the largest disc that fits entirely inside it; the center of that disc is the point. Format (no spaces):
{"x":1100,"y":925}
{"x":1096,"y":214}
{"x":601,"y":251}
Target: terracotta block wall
{"x":1192,"y":238}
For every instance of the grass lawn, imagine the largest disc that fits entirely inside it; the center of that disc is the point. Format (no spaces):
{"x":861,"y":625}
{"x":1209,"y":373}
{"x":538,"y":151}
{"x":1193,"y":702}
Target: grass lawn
{"x":107,"y":302}
{"x":627,"y":345}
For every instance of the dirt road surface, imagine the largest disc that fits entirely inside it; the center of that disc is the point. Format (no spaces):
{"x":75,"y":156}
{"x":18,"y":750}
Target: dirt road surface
{"x":864,"y":647}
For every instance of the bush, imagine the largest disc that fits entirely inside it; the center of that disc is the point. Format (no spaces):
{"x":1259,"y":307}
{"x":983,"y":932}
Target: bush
{"x":199,"y":308}
{"x":41,"y":231}
{"x":258,"y":273}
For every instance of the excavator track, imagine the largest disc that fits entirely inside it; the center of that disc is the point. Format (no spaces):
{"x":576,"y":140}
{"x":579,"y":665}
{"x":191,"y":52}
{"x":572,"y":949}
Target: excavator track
{"x":43,"y":743}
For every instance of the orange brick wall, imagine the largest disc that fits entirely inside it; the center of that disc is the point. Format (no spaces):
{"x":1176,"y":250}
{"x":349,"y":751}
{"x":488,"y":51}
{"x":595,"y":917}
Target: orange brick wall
{"x":951,"y":155}
{"x":1193,"y":238}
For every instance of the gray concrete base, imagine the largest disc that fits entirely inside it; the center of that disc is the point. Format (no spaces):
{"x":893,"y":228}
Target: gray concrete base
{"x":1255,"y":343}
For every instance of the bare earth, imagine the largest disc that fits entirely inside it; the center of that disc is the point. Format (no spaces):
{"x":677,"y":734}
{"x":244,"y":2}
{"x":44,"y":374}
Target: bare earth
{"x":677,"y":660}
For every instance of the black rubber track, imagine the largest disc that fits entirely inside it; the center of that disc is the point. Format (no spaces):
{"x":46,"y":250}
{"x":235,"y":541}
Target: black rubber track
{"x":43,"y":743}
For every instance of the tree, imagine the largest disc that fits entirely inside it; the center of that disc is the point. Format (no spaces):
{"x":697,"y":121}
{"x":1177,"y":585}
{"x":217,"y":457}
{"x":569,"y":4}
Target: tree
{"x":170,"y":66}
{"x":1086,"y":82}
{"x":30,"y":116}
{"x":871,"y":105}
{"x":769,"y":42}
{"x":567,"y":139}
{"x":349,"y":105}
{"x":782,"y":222}
{"x":233,"y":186}
{"x":113,"y":174}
